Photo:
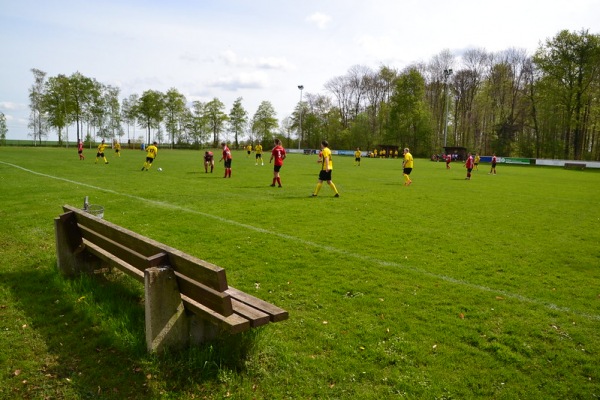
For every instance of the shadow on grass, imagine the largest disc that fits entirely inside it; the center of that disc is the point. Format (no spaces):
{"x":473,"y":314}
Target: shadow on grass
{"x":93,"y":331}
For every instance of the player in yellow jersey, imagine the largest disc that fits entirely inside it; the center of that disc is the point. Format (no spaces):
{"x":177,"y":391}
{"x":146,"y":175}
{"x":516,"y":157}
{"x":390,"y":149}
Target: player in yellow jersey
{"x":477,"y":159}
{"x":357,"y":155}
{"x":407,"y":166}
{"x":258,"y":149}
{"x":249,"y":150}
{"x":151,"y":152}
{"x":100,"y":152}
{"x":326,"y":168}
{"x":117,"y":147}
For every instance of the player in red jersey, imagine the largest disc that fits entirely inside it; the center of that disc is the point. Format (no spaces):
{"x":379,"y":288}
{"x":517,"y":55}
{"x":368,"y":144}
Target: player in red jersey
{"x":80,"y":150}
{"x":469,"y":165}
{"x":278,"y":153}
{"x":209,"y":159}
{"x":494,"y":160}
{"x":227,"y":157}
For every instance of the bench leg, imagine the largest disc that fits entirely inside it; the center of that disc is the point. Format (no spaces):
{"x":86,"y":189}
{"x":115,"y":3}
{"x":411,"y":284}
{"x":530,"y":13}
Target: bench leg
{"x":167,"y":326}
{"x":71,"y":257}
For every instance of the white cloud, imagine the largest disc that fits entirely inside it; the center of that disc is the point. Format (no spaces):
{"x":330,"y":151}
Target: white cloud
{"x":9,"y":105}
{"x":257,"y":80}
{"x":319,"y":19}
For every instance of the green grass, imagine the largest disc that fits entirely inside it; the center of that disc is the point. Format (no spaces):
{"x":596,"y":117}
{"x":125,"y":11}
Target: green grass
{"x":447,"y":289}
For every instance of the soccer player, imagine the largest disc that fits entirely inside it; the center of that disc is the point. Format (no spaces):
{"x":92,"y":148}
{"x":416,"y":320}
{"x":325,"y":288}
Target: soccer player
{"x":476,"y":162}
{"x":117,"y":147}
{"x":494,"y":160}
{"x":326,"y":168}
{"x":448,"y":158}
{"x":249,"y":150}
{"x":151,"y":153}
{"x":357,"y":155}
{"x":209,"y":159}
{"x":407,"y":166}
{"x":100,"y":152}
{"x":258,"y":149}
{"x":278,"y":153}
{"x":80,"y":150}
{"x":227,"y":157}
{"x":469,"y":165}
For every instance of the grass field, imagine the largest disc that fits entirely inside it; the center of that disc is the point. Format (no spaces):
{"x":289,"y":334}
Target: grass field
{"x":446,"y":289}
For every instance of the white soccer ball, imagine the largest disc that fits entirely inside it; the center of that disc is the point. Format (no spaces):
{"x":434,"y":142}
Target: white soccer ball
{"x":159,"y":168}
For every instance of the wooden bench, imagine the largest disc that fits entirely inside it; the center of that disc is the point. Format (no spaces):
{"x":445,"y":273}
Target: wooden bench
{"x":580,"y":166}
{"x":187,"y":300}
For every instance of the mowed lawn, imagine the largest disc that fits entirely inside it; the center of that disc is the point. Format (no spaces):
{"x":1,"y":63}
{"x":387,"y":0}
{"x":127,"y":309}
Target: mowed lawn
{"x":448,"y":289}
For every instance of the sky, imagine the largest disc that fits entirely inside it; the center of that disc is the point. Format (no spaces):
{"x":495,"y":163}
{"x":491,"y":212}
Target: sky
{"x":259,"y":50}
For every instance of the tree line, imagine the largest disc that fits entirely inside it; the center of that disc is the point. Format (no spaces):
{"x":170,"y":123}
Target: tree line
{"x":545,"y":105}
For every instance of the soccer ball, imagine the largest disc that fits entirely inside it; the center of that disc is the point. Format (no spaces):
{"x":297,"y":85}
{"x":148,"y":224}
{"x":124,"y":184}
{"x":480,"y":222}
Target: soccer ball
{"x":159,"y":168}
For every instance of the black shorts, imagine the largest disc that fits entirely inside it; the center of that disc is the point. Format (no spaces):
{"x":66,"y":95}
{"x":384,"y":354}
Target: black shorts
{"x":469,"y":170}
{"x":258,"y":155}
{"x":493,"y":165}
{"x":149,"y":160}
{"x":407,"y":171}
{"x":325,"y":175}
{"x":99,"y":154}
{"x":228,"y":163}
{"x":79,"y":151}
{"x":277,"y":168}
{"x":357,"y":159}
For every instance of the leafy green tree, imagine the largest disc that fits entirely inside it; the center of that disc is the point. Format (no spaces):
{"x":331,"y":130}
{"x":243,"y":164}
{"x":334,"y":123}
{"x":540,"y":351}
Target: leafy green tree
{"x":216,"y":117}
{"x":571,"y":64}
{"x":150,"y":110}
{"x":56,"y":105}
{"x":37,"y":119}
{"x":264,"y":122}
{"x":238,"y":120}
{"x":409,"y":114}
{"x":3,"y":128}
{"x":95,"y":114}
{"x":174,"y":110}
{"x":82,"y":89}
{"x":197,"y":123}
{"x":112,"y":112}
{"x":129,"y":112}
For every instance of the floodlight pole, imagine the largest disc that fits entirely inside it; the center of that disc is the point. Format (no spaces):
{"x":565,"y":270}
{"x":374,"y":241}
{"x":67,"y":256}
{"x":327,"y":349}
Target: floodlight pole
{"x":447,"y":73}
{"x":301,"y":87}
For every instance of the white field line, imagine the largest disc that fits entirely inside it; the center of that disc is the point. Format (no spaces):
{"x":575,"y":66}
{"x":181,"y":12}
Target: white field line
{"x":331,"y":249}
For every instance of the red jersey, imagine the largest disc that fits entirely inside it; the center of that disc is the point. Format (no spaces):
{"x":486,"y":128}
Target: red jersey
{"x":469,"y":163}
{"x":278,"y":154}
{"x":226,"y":153}
{"x":208,"y":156}
{"x":494,"y":160}
{"x":80,"y":146}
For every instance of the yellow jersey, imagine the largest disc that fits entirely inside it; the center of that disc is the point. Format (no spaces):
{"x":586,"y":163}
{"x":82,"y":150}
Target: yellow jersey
{"x":101,"y":147}
{"x":408,"y":160}
{"x":326,"y":153}
{"x":258,"y":149}
{"x":151,"y":151}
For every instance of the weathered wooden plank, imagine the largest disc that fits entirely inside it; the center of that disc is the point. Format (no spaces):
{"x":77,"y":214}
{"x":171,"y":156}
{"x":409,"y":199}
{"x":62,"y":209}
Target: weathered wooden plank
{"x":114,"y":261}
{"x":256,"y":317}
{"x":276,"y":314}
{"x":213,"y":299}
{"x":233,"y":323}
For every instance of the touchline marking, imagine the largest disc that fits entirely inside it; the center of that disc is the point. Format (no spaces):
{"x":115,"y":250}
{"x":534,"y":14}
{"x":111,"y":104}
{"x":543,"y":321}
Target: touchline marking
{"x":361,"y":257}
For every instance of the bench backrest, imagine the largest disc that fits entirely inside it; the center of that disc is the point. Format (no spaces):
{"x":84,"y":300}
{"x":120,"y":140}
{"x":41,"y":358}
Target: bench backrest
{"x":133,"y":254}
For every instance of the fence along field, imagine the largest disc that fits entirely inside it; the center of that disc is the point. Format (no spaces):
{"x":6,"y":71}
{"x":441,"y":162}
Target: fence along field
{"x":483,"y":288}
